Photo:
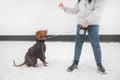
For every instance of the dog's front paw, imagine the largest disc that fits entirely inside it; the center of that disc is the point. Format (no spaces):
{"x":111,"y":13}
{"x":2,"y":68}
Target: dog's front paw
{"x":45,"y":64}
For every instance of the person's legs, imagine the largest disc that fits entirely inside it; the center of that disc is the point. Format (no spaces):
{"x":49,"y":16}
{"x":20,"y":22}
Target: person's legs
{"x":79,"y":39}
{"x":93,"y":33}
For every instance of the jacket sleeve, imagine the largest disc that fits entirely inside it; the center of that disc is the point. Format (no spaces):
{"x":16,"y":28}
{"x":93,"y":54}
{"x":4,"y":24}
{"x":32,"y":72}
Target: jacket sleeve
{"x":72,"y":10}
{"x":96,"y":13}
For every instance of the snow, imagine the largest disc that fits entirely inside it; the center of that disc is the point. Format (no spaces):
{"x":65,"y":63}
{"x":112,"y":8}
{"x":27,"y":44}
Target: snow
{"x":59,"y":56}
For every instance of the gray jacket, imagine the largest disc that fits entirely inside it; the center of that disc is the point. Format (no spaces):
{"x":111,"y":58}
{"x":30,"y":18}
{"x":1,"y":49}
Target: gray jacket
{"x":89,"y":13}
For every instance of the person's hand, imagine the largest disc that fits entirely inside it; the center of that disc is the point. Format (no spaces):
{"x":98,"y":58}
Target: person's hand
{"x":84,"y":25}
{"x":61,"y":5}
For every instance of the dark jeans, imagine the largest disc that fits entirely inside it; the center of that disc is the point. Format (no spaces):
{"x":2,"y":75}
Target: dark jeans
{"x":93,"y":34}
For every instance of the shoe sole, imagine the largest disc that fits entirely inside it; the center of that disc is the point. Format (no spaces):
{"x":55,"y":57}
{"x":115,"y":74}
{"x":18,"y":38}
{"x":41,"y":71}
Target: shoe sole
{"x":102,"y":72}
{"x":71,"y":70}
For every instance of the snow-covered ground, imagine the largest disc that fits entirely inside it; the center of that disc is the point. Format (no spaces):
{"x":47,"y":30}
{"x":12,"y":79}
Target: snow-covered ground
{"x":59,"y":56}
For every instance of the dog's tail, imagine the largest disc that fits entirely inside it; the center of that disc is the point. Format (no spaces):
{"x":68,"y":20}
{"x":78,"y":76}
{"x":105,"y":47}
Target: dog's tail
{"x":17,"y":65}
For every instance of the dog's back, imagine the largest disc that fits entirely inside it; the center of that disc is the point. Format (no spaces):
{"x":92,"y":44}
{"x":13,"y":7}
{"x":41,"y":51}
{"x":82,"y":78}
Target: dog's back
{"x":30,"y":58}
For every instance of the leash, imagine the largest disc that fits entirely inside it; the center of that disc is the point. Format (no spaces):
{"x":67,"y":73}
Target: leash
{"x":57,"y":35}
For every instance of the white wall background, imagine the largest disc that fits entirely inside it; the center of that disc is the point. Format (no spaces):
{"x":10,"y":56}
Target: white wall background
{"x":24,"y":17}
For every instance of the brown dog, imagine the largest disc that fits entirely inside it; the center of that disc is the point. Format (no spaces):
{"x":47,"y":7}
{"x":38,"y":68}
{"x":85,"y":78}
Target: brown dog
{"x":36,"y":51}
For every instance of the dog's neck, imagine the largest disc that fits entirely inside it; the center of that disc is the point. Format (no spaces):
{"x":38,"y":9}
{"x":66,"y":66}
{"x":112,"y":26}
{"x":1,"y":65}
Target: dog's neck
{"x":41,"y":41}
{"x":40,"y":38}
